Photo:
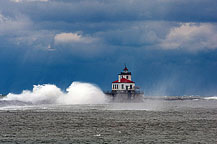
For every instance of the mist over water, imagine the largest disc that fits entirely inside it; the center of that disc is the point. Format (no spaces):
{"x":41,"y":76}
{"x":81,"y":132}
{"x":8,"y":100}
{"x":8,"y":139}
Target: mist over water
{"x":76,"y":93}
{"x":211,"y":98}
{"x":86,"y":93}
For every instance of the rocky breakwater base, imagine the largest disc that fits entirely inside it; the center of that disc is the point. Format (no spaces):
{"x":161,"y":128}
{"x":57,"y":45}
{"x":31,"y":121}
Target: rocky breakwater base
{"x":116,"y":96}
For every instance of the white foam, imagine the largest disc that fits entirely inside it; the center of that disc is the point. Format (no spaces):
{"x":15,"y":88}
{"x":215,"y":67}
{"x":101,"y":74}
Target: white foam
{"x":82,"y":93}
{"x":211,"y":98}
{"x":77,"y":93}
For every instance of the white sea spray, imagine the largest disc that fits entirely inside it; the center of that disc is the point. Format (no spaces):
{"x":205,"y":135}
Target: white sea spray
{"x":77,"y":93}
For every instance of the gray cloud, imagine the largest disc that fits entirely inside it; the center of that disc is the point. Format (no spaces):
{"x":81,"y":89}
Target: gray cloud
{"x":72,"y":38}
{"x":192,"y":37}
{"x":14,"y":26}
{"x":137,"y":34}
{"x":115,"y":10}
{"x":19,"y":1}
{"x":113,"y":24}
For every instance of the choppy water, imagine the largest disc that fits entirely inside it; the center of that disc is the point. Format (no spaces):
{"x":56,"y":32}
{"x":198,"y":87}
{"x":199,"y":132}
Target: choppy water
{"x":153,"y":121}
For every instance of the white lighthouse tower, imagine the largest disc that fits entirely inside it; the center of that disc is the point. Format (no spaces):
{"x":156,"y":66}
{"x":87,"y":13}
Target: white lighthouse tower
{"x":124,"y":82}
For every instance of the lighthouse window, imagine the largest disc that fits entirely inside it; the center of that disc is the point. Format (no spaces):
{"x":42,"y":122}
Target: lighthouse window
{"x":122,"y":86}
{"x":127,"y":77}
{"x":130,"y":86}
{"x":117,"y":86}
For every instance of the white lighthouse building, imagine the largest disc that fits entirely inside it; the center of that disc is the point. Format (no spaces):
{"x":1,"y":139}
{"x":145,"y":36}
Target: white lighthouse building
{"x":124,"y":82}
{"x":124,"y":89}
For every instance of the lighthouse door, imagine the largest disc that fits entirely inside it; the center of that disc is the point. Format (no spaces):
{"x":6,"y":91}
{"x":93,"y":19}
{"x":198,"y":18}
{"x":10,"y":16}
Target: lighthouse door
{"x":126,"y":87}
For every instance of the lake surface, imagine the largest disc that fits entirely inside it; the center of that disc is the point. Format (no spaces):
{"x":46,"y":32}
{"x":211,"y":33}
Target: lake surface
{"x":153,"y":121}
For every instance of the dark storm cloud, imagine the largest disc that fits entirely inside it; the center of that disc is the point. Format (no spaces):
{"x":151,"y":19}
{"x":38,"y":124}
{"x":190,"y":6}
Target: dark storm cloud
{"x":131,"y":23}
{"x":116,"y":10}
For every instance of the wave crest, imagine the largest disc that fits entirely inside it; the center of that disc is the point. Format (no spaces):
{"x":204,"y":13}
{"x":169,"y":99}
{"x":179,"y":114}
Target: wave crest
{"x":211,"y":98}
{"x":77,"y":93}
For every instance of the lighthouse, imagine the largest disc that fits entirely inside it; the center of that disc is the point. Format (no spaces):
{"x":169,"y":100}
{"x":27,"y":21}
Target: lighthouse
{"x":124,"y":89}
{"x":124,"y":82}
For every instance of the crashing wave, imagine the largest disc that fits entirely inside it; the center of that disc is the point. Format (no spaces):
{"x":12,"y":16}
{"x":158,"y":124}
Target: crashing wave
{"x":77,"y":93}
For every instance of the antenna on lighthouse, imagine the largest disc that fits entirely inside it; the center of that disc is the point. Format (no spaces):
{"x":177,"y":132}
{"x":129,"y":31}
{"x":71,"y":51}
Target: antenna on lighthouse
{"x":125,"y":68}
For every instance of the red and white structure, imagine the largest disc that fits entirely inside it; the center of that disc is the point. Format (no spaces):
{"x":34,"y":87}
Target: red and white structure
{"x":124,"y":82}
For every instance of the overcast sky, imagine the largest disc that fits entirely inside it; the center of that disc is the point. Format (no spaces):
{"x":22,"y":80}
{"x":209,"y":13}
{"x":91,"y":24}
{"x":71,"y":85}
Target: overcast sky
{"x":170,"y":46}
